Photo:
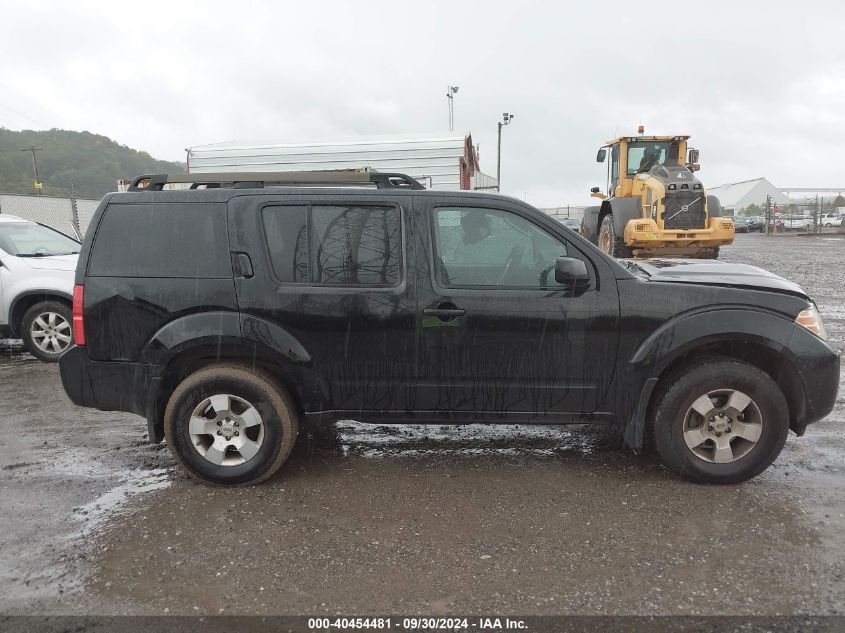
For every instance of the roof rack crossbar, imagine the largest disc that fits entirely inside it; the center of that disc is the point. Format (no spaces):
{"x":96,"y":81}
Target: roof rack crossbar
{"x":255,"y":180}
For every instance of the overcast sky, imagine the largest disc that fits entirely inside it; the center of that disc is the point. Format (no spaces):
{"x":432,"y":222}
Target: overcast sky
{"x":759,"y":85}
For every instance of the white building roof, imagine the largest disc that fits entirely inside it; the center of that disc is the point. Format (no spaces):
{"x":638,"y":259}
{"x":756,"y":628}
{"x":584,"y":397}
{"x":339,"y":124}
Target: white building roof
{"x":739,"y":195}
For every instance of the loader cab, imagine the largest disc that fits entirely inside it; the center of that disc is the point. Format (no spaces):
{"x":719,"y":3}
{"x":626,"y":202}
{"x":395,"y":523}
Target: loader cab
{"x":634,"y":155}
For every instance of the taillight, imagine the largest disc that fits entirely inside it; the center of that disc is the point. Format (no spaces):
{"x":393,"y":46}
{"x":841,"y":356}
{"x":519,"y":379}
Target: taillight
{"x":78,"y":325}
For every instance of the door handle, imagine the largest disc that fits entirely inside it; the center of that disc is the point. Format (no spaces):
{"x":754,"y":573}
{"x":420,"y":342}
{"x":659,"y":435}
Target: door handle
{"x":445,"y":312}
{"x":242,"y":265}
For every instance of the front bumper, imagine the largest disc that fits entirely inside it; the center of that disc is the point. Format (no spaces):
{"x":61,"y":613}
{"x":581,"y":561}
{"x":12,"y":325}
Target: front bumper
{"x":818,"y":365}
{"x":644,"y":234}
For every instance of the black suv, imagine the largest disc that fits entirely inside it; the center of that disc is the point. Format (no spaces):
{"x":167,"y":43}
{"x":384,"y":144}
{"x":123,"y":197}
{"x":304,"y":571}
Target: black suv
{"x":232,"y":312}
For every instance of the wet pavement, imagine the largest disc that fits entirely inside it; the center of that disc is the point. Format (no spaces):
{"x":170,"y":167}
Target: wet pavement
{"x":436,"y":520}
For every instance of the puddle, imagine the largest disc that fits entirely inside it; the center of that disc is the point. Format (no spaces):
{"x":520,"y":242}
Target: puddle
{"x":13,"y":353}
{"x":110,"y":504}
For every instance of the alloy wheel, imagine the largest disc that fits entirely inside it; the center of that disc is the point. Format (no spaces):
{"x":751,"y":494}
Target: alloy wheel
{"x":226,"y":430}
{"x":722,"y":426}
{"x":51,"y":332}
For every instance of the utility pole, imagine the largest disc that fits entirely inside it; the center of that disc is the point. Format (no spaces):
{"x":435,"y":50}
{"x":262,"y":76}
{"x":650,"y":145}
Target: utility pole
{"x":451,"y":91}
{"x":506,"y":119}
{"x":37,"y":185}
{"x":768,"y":213}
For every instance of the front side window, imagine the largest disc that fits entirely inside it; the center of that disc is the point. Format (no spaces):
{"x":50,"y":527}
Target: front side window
{"x":491,"y":247}
{"x":25,"y":239}
{"x":335,"y":245}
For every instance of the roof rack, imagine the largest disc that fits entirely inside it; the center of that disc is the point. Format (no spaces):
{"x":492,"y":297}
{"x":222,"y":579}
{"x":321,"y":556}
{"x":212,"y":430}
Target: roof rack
{"x":258,"y":180}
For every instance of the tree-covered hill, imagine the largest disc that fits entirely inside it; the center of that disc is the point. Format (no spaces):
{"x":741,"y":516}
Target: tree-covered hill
{"x":92,"y":163}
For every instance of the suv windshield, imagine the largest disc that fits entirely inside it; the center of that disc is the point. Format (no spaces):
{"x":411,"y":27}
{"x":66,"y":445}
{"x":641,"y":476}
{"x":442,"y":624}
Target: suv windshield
{"x":643,"y":155}
{"x":27,"y":239}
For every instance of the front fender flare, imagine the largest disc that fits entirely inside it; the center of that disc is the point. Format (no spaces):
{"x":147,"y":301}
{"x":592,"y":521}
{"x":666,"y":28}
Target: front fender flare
{"x":684,"y":334}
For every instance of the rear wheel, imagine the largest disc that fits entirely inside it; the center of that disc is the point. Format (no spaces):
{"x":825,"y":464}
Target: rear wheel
{"x":46,"y":330}
{"x":721,"y":422}
{"x":609,"y":242}
{"x":229,"y":424}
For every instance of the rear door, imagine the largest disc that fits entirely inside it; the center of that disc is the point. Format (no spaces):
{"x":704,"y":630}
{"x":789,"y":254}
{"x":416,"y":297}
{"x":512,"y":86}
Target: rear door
{"x":330,"y":270}
{"x":499,"y":338}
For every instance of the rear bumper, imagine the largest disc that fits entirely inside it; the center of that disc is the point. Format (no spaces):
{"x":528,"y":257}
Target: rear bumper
{"x":107,"y":386}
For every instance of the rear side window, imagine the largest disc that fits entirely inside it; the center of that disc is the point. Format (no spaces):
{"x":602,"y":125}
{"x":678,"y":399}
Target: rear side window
{"x":335,"y":245}
{"x":161,"y":240}
{"x":286,"y":229}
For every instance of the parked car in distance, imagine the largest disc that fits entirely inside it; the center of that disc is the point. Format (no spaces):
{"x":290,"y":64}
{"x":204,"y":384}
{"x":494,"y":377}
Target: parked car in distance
{"x":830,"y":220}
{"x":571,"y":223}
{"x":756,"y":224}
{"x":748,"y":224}
{"x":741,"y":224}
{"x":37,"y":267}
{"x":255,"y":307}
{"x":798,"y":222}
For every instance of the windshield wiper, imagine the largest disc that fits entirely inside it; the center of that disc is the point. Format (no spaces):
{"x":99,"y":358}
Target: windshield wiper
{"x":46,"y":254}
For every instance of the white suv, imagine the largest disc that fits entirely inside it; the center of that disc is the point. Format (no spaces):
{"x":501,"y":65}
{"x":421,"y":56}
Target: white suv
{"x":37,"y":266}
{"x":829,"y":220}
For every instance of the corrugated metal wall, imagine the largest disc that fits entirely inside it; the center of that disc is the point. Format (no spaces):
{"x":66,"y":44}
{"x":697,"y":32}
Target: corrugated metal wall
{"x":434,"y":161}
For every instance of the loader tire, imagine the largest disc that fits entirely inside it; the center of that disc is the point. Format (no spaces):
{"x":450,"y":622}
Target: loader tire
{"x":609,"y":242}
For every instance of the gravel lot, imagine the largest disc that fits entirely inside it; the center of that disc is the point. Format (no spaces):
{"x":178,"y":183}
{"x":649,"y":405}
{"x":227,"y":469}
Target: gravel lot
{"x":434,"y":520}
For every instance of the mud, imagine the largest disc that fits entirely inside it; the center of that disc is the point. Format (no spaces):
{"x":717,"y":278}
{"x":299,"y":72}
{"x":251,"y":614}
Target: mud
{"x":437,"y":520}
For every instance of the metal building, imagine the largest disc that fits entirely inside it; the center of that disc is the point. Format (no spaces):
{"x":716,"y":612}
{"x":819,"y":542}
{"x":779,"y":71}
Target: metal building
{"x":447,"y":161}
{"x":736,"y":196}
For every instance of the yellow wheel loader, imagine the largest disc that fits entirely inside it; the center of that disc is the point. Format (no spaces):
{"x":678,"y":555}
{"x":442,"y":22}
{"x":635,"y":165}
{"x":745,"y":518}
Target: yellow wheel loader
{"x":655,"y":205}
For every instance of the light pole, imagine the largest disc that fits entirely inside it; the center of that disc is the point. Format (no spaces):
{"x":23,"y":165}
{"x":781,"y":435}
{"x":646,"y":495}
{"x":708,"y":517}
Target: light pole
{"x":34,"y":149}
{"x":451,"y":91}
{"x":506,"y":118}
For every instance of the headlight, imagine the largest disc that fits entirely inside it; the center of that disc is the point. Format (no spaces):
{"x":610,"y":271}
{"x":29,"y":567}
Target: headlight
{"x":810,"y":319}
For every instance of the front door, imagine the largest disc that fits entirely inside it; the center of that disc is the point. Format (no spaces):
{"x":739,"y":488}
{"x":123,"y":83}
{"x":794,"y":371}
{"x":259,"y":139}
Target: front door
{"x":500,"y":339}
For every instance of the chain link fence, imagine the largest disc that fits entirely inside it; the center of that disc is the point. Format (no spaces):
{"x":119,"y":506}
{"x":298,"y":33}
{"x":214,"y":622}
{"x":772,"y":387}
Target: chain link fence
{"x":71,"y":216}
{"x":559,"y":213}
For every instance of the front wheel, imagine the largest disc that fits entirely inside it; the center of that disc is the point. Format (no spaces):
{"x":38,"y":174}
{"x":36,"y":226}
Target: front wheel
{"x":46,"y":330}
{"x":609,"y":242}
{"x":229,"y":424}
{"x":721,"y":422}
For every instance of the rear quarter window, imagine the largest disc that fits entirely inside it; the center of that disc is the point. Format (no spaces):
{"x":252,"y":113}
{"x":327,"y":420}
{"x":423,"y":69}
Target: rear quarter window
{"x":161,"y":240}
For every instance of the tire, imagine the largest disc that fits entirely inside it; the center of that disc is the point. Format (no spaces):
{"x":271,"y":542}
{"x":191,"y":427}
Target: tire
{"x":47,"y":330}
{"x":227,"y":400}
{"x":608,"y":240}
{"x":715,"y":254}
{"x":680,"y":405}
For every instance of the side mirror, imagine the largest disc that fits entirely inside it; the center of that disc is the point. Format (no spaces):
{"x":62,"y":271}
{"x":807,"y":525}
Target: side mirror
{"x":692,"y":156}
{"x":570,"y":270}
{"x":595,"y":190}
{"x":601,"y":155}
